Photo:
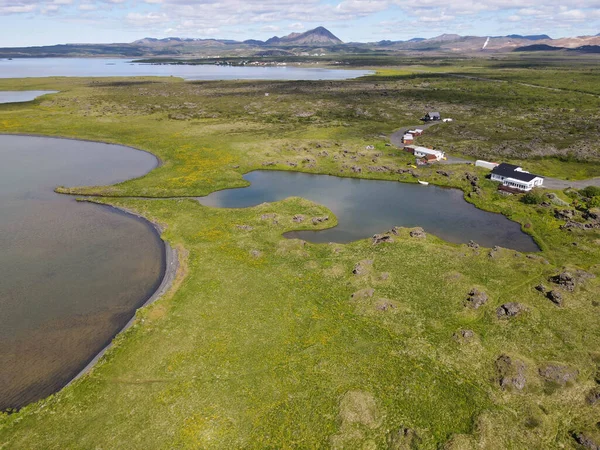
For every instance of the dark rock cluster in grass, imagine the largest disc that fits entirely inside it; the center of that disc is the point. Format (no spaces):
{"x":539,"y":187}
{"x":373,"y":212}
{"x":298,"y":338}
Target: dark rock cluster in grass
{"x":586,"y":441}
{"x":511,"y":373}
{"x":558,"y":374}
{"x":565,"y":280}
{"x":382,"y":238}
{"x":476,"y":298}
{"x":555,"y":297}
{"x":418,"y":233}
{"x":464,"y":336}
{"x":443,"y":173}
{"x":593,"y":396}
{"x":565,"y":214}
{"x":318,"y":220}
{"x":473,"y":244}
{"x":509,"y":310}
{"x":298,"y":218}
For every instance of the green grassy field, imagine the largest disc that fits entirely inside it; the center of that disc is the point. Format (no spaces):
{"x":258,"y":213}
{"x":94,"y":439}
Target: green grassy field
{"x":265,"y":342}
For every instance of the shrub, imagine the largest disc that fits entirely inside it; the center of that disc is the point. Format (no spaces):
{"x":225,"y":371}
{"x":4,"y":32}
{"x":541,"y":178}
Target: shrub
{"x":533,"y":197}
{"x":590,"y":191}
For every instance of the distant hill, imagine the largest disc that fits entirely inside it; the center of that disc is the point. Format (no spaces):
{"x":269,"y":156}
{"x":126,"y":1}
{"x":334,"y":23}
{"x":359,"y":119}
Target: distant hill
{"x":537,"y":48}
{"x":320,"y":36}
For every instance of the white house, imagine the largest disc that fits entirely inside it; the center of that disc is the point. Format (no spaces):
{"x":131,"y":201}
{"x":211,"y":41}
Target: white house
{"x":515,"y":177}
{"x":424,"y":152}
{"x":408,"y":138}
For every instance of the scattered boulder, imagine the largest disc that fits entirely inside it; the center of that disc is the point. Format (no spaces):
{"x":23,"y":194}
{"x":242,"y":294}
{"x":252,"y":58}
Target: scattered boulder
{"x":364,"y":293}
{"x":509,"y":310}
{"x":593,"y":396}
{"x":464,"y":335}
{"x":318,"y":220}
{"x":564,"y":214}
{"x":541,"y":288}
{"x":555,"y":297}
{"x":473,"y":244}
{"x":476,"y":298}
{"x":586,"y":441}
{"x":298,"y":218}
{"x":361,"y":267}
{"x":443,"y":173}
{"x":356,"y":169}
{"x":244,"y":227}
{"x":565,"y":280}
{"x":382,"y":238}
{"x":558,"y":374}
{"x":511,"y":373}
{"x":403,"y":439}
{"x":418,"y":233}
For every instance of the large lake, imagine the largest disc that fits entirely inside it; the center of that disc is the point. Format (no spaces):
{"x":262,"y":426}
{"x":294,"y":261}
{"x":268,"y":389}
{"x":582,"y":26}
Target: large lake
{"x":367,"y":207}
{"x":71,"y":274}
{"x":104,"y":67}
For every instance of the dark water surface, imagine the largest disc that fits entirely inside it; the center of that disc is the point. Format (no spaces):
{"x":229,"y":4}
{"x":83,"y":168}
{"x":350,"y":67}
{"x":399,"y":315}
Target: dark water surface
{"x":71,"y":274}
{"x":21,"y":96}
{"x":111,"y":67}
{"x":367,"y":207}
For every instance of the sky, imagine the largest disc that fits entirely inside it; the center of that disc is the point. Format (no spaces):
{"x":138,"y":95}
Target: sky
{"x":47,"y":22}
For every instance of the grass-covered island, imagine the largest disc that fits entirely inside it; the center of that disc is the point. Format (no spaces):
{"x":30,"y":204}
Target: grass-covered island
{"x":265,"y":342}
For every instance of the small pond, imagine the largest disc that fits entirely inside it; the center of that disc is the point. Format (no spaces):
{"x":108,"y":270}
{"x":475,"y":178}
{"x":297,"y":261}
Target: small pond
{"x":367,"y":207}
{"x":71,"y":274}
{"x":21,"y":96}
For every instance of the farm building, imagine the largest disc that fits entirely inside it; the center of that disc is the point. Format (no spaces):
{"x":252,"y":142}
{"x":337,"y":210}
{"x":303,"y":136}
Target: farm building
{"x":423,"y":152}
{"x":515,"y":177}
{"x":430,"y":116}
{"x":408,"y":138}
{"x":415,"y":132}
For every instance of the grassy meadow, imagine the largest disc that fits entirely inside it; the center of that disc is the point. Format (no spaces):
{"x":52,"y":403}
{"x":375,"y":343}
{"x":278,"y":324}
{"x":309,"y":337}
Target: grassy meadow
{"x":265,"y":342}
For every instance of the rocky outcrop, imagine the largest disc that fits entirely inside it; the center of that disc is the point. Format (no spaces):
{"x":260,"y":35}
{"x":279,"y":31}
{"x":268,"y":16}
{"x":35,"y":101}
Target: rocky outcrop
{"x":558,"y":374}
{"x":298,"y":218}
{"x":362,"y":266}
{"x":382,"y":238}
{"x":318,"y":220}
{"x":586,"y":441}
{"x":511,"y":373}
{"x":565,"y":280}
{"x":509,"y":310}
{"x":555,"y":297}
{"x":418,"y":233}
{"x":476,"y":298}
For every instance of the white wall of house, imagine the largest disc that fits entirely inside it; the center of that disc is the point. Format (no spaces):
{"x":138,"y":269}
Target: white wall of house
{"x":485,"y":164}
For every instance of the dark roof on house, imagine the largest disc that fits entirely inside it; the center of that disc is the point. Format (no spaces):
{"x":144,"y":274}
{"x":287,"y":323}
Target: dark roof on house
{"x":510,"y":170}
{"x":433,"y":114}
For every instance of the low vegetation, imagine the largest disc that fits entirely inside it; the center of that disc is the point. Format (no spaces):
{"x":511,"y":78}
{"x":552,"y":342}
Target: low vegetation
{"x":269,"y":342}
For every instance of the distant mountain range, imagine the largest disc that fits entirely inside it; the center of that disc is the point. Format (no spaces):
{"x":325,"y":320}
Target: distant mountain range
{"x":317,"y":41}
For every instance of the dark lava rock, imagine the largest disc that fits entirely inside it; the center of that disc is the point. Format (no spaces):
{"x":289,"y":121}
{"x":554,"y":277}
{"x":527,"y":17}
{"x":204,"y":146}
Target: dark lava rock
{"x":593,"y":396}
{"x":558,"y":374}
{"x":418,"y":233}
{"x":298,"y":218}
{"x":473,"y":244}
{"x":541,"y":288}
{"x":555,"y":297}
{"x":476,"y":298}
{"x":382,"y":238}
{"x":443,"y":173}
{"x":464,"y":335}
{"x":564,"y":214}
{"x":586,"y":441}
{"x":509,"y":310}
{"x":317,"y":220}
{"x":511,"y":372}
{"x":565,"y":280}
{"x":244,"y":227}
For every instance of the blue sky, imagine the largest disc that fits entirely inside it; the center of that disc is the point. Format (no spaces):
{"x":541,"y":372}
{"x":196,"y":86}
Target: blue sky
{"x":44,"y":22}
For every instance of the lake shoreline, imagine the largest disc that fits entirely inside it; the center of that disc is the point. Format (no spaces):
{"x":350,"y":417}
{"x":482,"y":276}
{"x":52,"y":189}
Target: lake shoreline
{"x":170,"y":268}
